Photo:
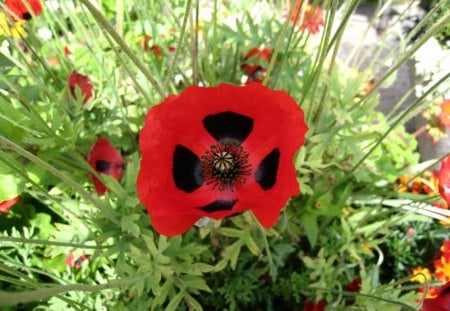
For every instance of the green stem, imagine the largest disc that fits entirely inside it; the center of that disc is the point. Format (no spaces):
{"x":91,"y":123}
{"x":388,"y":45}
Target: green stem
{"x":179,"y":43}
{"x":194,"y":49}
{"x":278,"y":44}
{"x":54,"y":243}
{"x":407,"y":55}
{"x":266,"y":242}
{"x":100,"y":18}
{"x":12,"y":298}
{"x":351,"y":294}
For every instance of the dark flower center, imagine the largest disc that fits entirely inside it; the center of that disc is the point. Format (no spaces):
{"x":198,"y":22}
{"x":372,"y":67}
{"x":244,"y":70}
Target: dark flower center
{"x":224,"y":165}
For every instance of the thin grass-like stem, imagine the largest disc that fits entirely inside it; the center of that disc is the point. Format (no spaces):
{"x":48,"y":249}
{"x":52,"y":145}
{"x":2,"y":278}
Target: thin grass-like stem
{"x":103,"y":22}
{"x":12,"y":298}
{"x":180,"y":42}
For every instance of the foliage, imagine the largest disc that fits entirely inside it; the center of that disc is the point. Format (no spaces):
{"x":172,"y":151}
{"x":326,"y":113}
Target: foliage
{"x":348,"y":222}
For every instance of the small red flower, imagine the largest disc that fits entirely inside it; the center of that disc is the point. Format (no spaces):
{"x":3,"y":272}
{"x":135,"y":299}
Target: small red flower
{"x":253,"y":61}
{"x":75,"y":263}
{"x":443,"y":176}
{"x":441,"y":302}
{"x":155,"y":49}
{"x":82,"y":82}
{"x":219,"y":151}
{"x":144,"y":42}
{"x":105,"y":159}
{"x":310,"y":306}
{"x":354,"y":287}
{"x":310,"y":19}
{"x":19,"y":8}
{"x":67,"y":52}
{"x":444,"y":116}
{"x":6,"y":205}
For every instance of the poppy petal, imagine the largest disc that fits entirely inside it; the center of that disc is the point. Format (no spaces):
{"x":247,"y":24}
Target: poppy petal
{"x":6,"y":205}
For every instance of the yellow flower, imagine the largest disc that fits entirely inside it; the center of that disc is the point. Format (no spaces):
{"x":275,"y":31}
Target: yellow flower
{"x":10,"y":28}
{"x":420,"y":278}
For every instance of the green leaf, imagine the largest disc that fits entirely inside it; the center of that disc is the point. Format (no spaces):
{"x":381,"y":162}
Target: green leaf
{"x":234,"y":251}
{"x":10,"y":185}
{"x":309,"y":222}
{"x":250,"y":242}
{"x":161,"y":295}
{"x":5,"y":62}
{"x":192,"y":302}
{"x":129,"y":225}
{"x":231,"y":232}
{"x":173,"y":304}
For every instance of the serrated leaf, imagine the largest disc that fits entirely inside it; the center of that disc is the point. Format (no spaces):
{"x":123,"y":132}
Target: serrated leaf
{"x":150,"y":244}
{"x":192,"y":302}
{"x":231,"y":232}
{"x":309,"y":222}
{"x":173,"y":304}
{"x":233,"y":252}
{"x":161,"y":296}
{"x":251,"y":245}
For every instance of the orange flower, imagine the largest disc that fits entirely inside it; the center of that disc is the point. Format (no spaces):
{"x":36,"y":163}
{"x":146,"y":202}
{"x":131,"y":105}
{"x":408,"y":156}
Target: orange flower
{"x":442,"y":267}
{"x":420,"y":278}
{"x":432,"y":292}
{"x":311,"y":18}
{"x":444,"y":116}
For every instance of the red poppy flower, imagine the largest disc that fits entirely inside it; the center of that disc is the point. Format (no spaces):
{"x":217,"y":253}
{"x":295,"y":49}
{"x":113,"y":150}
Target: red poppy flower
{"x":219,"y":151}
{"x":441,"y":302}
{"x":310,"y":306}
{"x":82,"y":82}
{"x":19,"y":8}
{"x":6,"y":205}
{"x":444,"y":116}
{"x":105,"y":159}
{"x":444,"y":179}
{"x":252,"y":65}
{"x":310,"y":19}
{"x":75,"y":263}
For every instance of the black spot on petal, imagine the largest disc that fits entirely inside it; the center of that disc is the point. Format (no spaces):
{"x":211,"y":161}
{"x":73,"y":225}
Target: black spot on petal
{"x":186,"y":169}
{"x":219,"y":205}
{"x":266,"y":173}
{"x":102,"y":166}
{"x":27,"y":16}
{"x":228,"y":125}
